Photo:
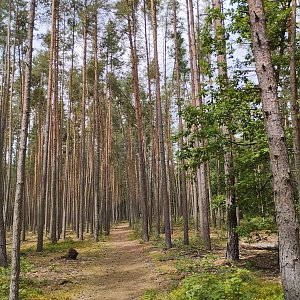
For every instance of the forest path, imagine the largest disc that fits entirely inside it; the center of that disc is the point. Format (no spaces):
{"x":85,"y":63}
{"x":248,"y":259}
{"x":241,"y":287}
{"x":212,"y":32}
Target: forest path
{"x":123,"y":271}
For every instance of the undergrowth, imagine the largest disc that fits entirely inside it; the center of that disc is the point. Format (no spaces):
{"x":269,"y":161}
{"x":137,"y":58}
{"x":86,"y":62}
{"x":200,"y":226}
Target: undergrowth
{"x":221,"y":283}
{"x":61,"y":246}
{"x":250,"y":226}
{"x":28,"y":289}
{"x":226,"y":283}
{"x":201,"y":277}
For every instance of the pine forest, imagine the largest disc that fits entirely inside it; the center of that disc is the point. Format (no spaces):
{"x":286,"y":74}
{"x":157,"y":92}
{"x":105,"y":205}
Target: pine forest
{"x":149,"y":149}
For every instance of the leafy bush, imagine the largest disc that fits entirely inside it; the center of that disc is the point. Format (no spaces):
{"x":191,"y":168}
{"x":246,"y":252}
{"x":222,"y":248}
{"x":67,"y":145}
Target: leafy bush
{"x":266,"y":223}
{"x":226,"y":283}
{"x":256,"y":224}
{"x":219,"y":201}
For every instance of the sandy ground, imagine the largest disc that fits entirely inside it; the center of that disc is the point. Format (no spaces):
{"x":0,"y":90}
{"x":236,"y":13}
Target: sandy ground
{"x":123,"y":271}
{"x":118,"y":269}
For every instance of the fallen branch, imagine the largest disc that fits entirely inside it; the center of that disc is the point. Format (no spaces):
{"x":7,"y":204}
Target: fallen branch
{"x":259,"y":246}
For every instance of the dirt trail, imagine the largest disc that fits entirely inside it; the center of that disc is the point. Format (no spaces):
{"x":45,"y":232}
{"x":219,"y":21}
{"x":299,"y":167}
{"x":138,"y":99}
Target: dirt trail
{"x":122,"y":272}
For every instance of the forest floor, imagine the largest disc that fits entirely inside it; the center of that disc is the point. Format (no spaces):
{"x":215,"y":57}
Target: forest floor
{"x":117,"y":267}
{"x":122,"y":267}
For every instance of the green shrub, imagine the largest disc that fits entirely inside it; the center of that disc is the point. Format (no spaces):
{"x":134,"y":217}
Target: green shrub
{"x":256,"y":224}
{"x":226,"y":283}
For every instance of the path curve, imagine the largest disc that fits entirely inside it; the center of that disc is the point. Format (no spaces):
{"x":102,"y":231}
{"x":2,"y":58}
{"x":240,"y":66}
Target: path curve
{"x":123,"y":272}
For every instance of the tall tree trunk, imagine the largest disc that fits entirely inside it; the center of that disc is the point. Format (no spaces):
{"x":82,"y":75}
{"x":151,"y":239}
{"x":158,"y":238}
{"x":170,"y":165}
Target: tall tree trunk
{"x":294,"y":96}
{"x":196,"y":101}
{"x":68,"y":162}
{"x":3,"y":124}
{"x":96,"y":131}
{"x":55,"y":143}
{"x":153,"y":171}
{"x":44,"y":179}
{"x":165,"y":196}
{"x":232,"y":249}
{"x":82,"y":145}
{"x":142,"y":165}
{"x":10,"y":142}
{"x":289,"y":249}
{"x":183,"y":189}
{"x":15,"y":263}
{"x":107,"y":158}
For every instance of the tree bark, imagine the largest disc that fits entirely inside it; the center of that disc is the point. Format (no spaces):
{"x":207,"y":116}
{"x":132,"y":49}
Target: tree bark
{"x":43,"y":190}
{"x":152,"y":172}
{"x":294,"y":96}
{"x":183,"y":189}
{"x":289,"y":250}
{"x":15,"y":264}
{"x":138,"y":116}
{"x":165,"y":196}
{"x":196,"y":101}
{"x":96,"y":131}
{"x":4,"y":105}
{"x":82,"y":172}
{"x":232,"y":249}
{"x":55,"y":143}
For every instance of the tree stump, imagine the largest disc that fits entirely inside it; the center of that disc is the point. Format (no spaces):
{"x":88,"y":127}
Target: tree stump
{"x":72,"y":254}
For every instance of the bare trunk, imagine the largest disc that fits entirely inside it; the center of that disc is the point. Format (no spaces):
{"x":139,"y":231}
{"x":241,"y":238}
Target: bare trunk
{"x":82,"y":145}
{"x":196,"y":101}
{"x":289,"y":250}
{"x":3,"y":124}
{"x":96,"y":131}
{"x":15,"y":264}
{"x":43,"y":191}
{"x":165,"y":196}
{"x":183,"y":189}
{"x":232,"y":250}
{"x":138,"y":116}
{"x":10,"y":143}
{"x":54,"y":148}
{"x":294,"y":96}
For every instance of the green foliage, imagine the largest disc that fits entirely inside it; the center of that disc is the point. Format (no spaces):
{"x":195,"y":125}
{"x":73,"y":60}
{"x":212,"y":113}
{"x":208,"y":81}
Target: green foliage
{"x":206,"y":279}
{"x":111,"y":45}
{"x":4,"y":282}
{"x":236,"y":106}
{"x":255,"y":224}
{"x":28,"y":290}
{"x":277,"y":16}
{"x":150,"y":295}
{"x":218,"y":201}
{"x":226,"y":283}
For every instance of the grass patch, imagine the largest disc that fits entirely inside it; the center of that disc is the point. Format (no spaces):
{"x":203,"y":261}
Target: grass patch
{"x":150,"y":295}
{"x":62,"y":246}
{"x":28,"y":289}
